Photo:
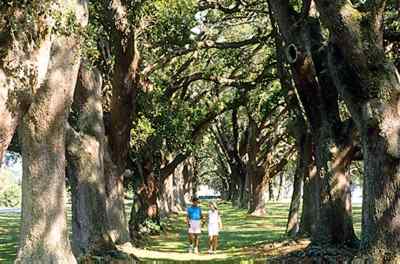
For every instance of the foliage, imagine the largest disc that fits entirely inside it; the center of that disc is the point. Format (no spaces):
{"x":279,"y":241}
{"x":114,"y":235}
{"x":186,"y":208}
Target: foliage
{"x":10,"y":190}
{"x":149,"y":227}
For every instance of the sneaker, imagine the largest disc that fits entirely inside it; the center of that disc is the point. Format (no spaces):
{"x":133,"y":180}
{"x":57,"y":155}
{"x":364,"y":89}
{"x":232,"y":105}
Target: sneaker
{"x":190,"y":250}
{"x":210,"y":252}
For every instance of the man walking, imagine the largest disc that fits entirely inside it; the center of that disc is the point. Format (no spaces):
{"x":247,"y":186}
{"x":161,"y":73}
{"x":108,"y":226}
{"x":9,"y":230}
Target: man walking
{"x":193,"y":220}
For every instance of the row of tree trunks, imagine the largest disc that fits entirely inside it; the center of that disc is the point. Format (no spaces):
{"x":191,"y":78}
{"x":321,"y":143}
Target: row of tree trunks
{"x":159,"y":195}
{"x":85,"y":154}
{"x":370,"y":86}
{"x":303,"y":142}
{"x":317,"y":94}
{"x":44,"y":235}
{"x":125,"y":86}
{"x":178,"y":188}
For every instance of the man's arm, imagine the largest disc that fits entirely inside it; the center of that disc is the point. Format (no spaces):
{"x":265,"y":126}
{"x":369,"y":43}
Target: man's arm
{"x":202,"y":218}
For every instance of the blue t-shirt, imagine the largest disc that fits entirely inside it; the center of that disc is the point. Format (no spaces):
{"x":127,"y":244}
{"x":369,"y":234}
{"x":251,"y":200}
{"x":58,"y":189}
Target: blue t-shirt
{"x":194,"y":213}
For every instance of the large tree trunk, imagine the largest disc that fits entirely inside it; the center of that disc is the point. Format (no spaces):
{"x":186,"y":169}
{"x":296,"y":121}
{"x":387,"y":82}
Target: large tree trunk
{"x":235,"y":186}
{"x":271,"y":194}
{"x":166,"y":197}
{"x":293,"y":223}
{"x":370,"y":86}
{"x":16,"y":95}
{"x":258,"y":195}
{"x":44,"y":235}
{"x":336,"y":223}
{"x":280,"y":185}
{"x":319,"y":98}
{"x":115,"y":200}
{"x":144,"y":207}
{"x":179,"y":189}
{"x":125,"y":82}
{"x":85,"y":153}
{"x":8,"y":120}
{"x":304,"y":156}
{"x":308,"y":222}
{"x":253,"y":178}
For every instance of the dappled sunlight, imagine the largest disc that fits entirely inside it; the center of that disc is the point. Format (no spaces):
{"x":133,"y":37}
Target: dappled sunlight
{"x":9,"y":236}
{"x":243,"y":238}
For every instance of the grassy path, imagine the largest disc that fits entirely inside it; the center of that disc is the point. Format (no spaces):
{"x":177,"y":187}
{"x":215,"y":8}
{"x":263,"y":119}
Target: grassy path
{"x":244,"y":239}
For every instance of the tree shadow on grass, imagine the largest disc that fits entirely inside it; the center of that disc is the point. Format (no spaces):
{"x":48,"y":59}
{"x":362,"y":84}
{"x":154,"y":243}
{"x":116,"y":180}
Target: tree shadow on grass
{"x":9,"y":236}
{"x":240,"y":230}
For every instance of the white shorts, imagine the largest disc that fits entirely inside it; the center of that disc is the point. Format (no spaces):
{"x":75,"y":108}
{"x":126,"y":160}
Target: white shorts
{"x":194,"y":226}
{"x":213,"y":229}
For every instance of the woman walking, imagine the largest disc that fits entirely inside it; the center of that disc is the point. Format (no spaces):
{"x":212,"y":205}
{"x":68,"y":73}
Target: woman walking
{"x":214,"y":226}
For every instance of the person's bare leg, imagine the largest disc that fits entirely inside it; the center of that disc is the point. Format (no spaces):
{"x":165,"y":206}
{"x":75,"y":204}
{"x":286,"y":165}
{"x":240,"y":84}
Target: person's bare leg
{"x":196,"y":243}
{"x":215,"y":244}
{"x":210,"y":244}
{"x":191,"y":242}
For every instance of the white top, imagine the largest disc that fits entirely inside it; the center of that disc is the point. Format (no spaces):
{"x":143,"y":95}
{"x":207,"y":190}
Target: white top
{"x":213,"y":217}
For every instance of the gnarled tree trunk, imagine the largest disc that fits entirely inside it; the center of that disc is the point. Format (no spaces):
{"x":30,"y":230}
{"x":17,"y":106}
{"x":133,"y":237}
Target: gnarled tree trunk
{"x":115,"y":200}
{"x":318,"y":96}
{"x":125,"y":82}
{"x":304,"y":156}
{"x":336,"y":211}
{"x":259,"y":191}
{"x":44,"y":236}
{"x":16,"y":95}
{"x":370,"y":86}
{"x":85,"y":153}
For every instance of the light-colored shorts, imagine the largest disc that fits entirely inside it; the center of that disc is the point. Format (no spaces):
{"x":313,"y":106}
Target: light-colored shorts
{"x":213,"y":229}
{"x":194,"y":226}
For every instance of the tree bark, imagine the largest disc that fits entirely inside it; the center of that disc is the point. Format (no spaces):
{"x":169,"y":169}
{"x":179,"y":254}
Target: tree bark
{"x":370,"y":86}
{"x":85,"y":153}
{"x":179,"y":189}
{"x":336,"y":223}
{"x":258,"y":194}
{"x":308,"y":222}
{"x":256,"y":175}
{"x":271,"y":195}
{"x":304,"y":156}
{"x":125,"y":84}
{"x":15,"y":97}
{"x":293,"y":222}
{"x":115,"y":200}
{"x":318,"y":96}
{"x":166,"y":197}
{"x":278,"y":196}
{"x":44,"y":236}
{"x":145,"y":207}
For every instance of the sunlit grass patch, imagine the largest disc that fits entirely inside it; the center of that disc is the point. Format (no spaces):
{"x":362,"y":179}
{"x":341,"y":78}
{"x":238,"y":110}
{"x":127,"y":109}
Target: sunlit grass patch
{"x":245,"y":239}
{"x":9,"y":235}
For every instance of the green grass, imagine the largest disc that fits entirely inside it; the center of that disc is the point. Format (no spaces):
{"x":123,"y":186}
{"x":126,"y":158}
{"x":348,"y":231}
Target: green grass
{"x":241,"y":240}
{"x":239,"y":230}
{"x":9,"y":235}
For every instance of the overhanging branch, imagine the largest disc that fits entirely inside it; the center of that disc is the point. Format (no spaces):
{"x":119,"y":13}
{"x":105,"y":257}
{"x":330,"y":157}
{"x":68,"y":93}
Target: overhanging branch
{"x":206,"y":44}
